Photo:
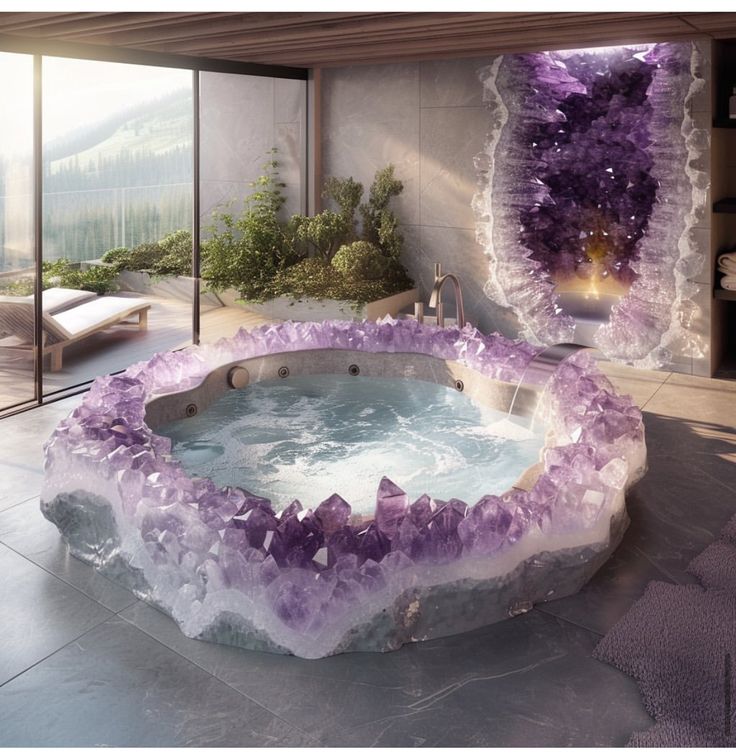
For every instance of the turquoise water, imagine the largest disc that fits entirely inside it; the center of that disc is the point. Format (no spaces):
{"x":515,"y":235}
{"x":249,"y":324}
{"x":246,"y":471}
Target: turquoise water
{"x":307,"y":437}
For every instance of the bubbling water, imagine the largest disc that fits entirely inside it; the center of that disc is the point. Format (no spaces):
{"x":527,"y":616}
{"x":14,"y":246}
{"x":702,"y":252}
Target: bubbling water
{"x":308,"y":437}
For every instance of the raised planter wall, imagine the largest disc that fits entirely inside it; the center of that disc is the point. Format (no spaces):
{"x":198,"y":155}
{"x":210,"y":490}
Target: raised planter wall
{"x":316,"y":310}
{"x":302,"y":310}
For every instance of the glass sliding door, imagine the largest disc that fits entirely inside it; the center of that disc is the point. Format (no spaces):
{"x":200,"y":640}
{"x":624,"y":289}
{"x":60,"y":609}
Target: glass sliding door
{"x":17,"y":238}
{"x":117,"y":214}
{"x":250,"y":127}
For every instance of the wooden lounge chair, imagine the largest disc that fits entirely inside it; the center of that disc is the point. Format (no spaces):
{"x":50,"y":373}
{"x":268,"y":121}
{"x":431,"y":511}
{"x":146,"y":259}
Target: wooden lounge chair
{"x":55,"y":300}
{"x":66,"y":327}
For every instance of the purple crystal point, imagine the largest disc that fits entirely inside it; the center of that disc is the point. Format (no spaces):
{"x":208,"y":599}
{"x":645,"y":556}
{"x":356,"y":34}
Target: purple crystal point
{"x":218,"y":508}
{"x":333,"y":513}
{"x":291,"y":509}
{"x":392,"y":504}
{"x":422,"y":510}
{"x":373,"y":543}
{"x":295,"y":542}
{"x":255,"y":523}
{"x":486,"y":525}
{"x":443,"y":542}
{"x":341,"y":543}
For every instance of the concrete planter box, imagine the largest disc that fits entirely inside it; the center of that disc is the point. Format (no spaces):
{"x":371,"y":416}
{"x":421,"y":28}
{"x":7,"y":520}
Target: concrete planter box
{"x":172,"y":286}
{"x":316,"y":310}
{"x":301,"y":310}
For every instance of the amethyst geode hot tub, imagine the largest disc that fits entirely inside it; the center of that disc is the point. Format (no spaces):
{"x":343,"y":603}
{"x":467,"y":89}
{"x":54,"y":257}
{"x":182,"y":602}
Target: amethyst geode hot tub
{"x":315,"y":580}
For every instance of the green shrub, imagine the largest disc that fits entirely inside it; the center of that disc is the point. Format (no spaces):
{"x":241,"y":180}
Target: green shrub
{"x":380,"y":224}
{"x":321,"y":235}
{"x":360,"y":260}
{"x":176,"y":256}
{"x":247,"y":251}
{"x":317,"y":278}
{"x":19,"y":287}
{"x":63,"y":273}
{"x":117,"y":256}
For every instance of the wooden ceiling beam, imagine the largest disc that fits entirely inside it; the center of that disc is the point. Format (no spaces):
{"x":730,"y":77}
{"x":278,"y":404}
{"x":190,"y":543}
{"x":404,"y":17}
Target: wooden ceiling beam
{"x":306,"y":47}
{"x":113,"y":23}
{"x":306,"y":43}
{"x":471,"y":48}
{"x":348,"y":38}
{"x":33,"y":23}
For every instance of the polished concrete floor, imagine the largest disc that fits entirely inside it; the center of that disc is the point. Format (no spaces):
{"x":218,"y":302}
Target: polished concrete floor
{"x":82,"y":662}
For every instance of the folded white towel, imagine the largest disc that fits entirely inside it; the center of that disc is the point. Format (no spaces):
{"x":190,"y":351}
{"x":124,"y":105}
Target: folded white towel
{"x":726,"y":263}
{"x":727,"y":255}
{"x":729,"y":282}
{"x":727,"y":270}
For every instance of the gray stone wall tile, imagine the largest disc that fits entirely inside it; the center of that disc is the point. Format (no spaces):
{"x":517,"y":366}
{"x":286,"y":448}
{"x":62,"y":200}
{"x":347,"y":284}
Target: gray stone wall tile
{"x":450,"y":139}
{"x":370,"y":119}
{"x":452,"y":83}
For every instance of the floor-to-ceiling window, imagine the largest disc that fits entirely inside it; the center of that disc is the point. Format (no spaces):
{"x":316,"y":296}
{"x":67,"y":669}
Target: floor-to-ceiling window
{"x":117,"y":174}
{"x":250,"y":127}
{"x":99,"y":191}
{"x":17,"y":238}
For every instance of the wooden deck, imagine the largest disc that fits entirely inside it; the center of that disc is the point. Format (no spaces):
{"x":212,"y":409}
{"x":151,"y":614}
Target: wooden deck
{"x":169,"y":327}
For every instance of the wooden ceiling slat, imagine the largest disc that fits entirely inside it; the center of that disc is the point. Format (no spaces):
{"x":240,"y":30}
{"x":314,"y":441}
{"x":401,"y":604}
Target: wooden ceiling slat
{"x":215,"y":30}
{"x":108,"y":24}
{"x":37,"y":22}
{"x":309,"y":44}
{"x":308,"y":41}
{"x":346,"y":38}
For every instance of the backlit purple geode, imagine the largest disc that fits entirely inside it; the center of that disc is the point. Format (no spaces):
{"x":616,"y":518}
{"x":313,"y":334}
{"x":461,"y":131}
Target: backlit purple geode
{"x":309,"y":579}
{"x":592,"y":168}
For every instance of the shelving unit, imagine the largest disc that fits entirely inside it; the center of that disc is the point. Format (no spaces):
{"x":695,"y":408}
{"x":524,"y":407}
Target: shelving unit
{"x":723,"y":219}
{"x":725,"y":206}
{"x":722,"y":293}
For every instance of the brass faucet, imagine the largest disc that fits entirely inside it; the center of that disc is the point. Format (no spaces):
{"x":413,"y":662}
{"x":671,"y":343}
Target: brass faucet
{"x":435,"y":300}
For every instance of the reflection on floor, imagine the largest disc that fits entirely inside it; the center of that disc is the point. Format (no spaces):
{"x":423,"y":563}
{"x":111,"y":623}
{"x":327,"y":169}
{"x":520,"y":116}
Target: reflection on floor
{"x":82,"y":662}
{"x":169,"y":327}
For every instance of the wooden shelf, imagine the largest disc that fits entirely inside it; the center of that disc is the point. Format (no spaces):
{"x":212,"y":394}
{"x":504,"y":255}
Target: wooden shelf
{"x":724,"y":122}
{"x":725,"y":205}
{"x":724,"y":294}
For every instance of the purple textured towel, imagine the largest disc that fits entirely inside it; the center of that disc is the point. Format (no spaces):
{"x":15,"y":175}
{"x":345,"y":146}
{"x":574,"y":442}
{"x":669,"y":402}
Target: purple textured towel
{"x":679,"y":643}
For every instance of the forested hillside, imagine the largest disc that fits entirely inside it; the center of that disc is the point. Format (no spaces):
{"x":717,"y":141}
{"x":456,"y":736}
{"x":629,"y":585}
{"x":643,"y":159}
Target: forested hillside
{"x":118,"y":182}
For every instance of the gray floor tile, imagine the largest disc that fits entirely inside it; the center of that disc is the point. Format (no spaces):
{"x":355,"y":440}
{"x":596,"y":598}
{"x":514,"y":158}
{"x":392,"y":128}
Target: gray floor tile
{"x":676,"y":510}
{"x":118,"y":687}
{"x":709,"y":446}
{"x":610,"y":593}
{"x":529,"y":681}
{"x":697,"y":398}
{"x":640,"y":384}
{"x":39,"y":614}
{"x":24,"y":529}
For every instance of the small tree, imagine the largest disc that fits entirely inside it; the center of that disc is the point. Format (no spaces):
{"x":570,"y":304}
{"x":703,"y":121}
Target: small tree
{"x":380,"y":224}
{"x":245,"y":252}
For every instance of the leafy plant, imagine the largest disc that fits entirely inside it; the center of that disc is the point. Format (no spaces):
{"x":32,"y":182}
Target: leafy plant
{"x":171,"y":255}
{"x":380,"y":224}
{"x":317,"y":278}
{"x":246,"y":252}
{"x":65,"y":274}
{"x":116,"y":256}
{"x":177,"y":254}
{"x":360,"y":260}
{"x":321,"y":235}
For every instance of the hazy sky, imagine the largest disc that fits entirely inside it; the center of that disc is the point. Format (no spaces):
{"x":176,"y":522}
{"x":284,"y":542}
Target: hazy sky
{"x":75,"y":93}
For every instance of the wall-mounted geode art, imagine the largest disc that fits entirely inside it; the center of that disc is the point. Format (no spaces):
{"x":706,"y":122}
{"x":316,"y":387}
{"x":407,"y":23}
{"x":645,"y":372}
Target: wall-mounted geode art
{"x":590,"y":188}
